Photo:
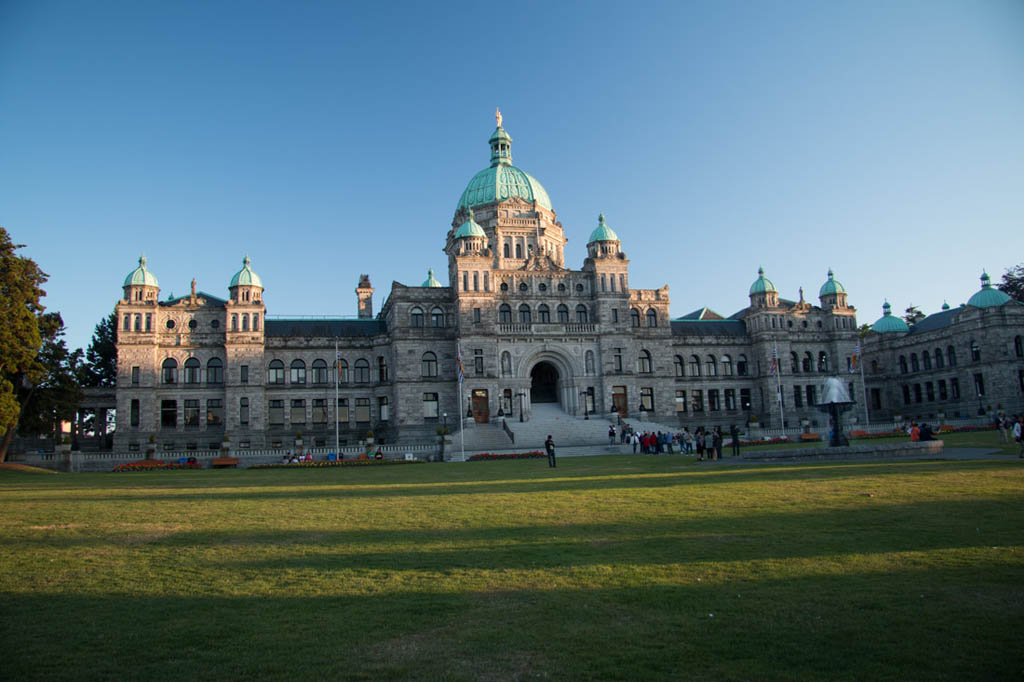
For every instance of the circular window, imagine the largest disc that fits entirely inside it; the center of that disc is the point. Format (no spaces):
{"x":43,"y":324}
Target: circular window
{"x":170,"y":324}
{"x":192,"y":324}
{"x":215,"y":323}
{"x":579,"y":287}
{"x":561,"y":287}
{"x":523,"y":287}
{"x":504,"y":287}
{"x":542,"y":287}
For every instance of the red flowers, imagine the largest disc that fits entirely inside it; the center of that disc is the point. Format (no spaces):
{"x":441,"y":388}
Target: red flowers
{"x":507,"y":455}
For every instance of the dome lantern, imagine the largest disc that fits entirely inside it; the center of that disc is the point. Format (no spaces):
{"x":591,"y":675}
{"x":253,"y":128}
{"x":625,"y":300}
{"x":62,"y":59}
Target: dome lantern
{"x":501,"y":180}
{"x":888,"y":323}
{"x":989,"y":296}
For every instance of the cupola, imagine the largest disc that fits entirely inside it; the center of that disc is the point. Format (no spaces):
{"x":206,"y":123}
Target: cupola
{"x":888,"y":323}
{"x":989,"y":296}
{"x":430,"y":281}
{"x":246,"y":286}
{"x":141,"y":285}
{"x":470,"y":236}
{"x":832,"y":294}
{"x":603,"y":242}
{"x":763,"y":293}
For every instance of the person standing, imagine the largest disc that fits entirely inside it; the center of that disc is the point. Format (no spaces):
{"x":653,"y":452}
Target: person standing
{"x":1018,"y":434}
{"x":1004,"y":426}
{"x":699,"y":439}
{"x":611,"y":434}
{"x":716,"y":440}
{"x":735,"y":433}
{"x":635,"y":440}
{"x":687,"y":440}
{"x":549,"y":446}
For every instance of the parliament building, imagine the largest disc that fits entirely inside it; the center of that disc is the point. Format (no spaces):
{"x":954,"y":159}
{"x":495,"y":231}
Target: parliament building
{"x":521,"y":328}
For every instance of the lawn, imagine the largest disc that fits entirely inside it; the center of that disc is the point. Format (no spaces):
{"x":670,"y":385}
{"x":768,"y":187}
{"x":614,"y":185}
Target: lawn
{"x":606,"y":568}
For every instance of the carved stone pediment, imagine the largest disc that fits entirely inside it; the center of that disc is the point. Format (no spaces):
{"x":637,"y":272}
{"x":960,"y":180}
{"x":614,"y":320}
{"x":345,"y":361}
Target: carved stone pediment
{"x":541,"y":262}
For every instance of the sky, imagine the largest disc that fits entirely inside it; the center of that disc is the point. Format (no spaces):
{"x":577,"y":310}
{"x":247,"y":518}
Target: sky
{"x":328,"y":139}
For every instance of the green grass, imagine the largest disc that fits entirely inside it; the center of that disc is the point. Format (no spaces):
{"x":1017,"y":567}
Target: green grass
{"x":606,"y":568}
{"x":975,"y":439}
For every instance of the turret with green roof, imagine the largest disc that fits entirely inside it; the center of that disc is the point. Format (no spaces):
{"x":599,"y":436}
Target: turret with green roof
{"x":430,"y":281}
{"x":141,"y":284}
{"x":989,"y":296}
{"x":888,"y":323}
{"x":470,"y":228}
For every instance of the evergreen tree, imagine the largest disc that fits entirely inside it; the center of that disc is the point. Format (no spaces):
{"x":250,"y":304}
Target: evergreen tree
{"x":100,"y":368}
{"x":1013,"y":282}
{"x":56,"y":394}
{"x":20,"y":290}
{"x":912,"y":315}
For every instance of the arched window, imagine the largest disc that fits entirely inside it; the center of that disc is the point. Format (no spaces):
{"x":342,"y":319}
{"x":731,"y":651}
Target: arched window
{"x":429,"y":365}
{"x":903,"y":364}
{"x":634,"y":317}
{"x":436,"y":318}
{"x":975,"y":351}
{"x":519,"y":250}
{"x":507,"y":250}
{"x":1018,"y":346}
{"x":320,"y":372}
{"x":138,"y":323}
{"x":741,"y":366}
{"x":234,"y":322}
{"x":362,"y":371}
{"x":215,"y":371}
{"x":524,"y":314}
{"x":588,"y":362}
{"x":256,"y":322}
{"x":951,"y":356}
{"x":169,"y":371}
{"x":342,"y":372}
{"x":678,"y":363}
{"x":504,"y":286}
{"x":915,"y":366}
{"x":726,"y":366}
{"x":506,"y":364}
{"x":710,"y":366}
{"x":806,"y":363}
{"x":563,"y":314}
{"x":298,"y":372}
{"x":652,"y":317}
{"x":926,"y":360}
{"x":505,"y":313}
{"x":543,"y":313}
{"x":794,"y":362}
{"x":416,"y":317}
{"x":939,"y":362}
{"x":581,"y":313}
{"x":192,"y":371}
{"x":822,"y":361}
{"x":245,"y":323}
{"x":275,"y":372}
{"x":644,"y":362}
{"x":694,"y":366}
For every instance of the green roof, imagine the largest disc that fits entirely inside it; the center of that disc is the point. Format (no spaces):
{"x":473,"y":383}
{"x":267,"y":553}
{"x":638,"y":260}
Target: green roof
{"x":888,"y":323}
{"x":501,"y":180}
{"x":762,"y":284}
{"x":141,"y":276}
{"x":470,"y":228}
{"x":603,"y":233}
{"x":989,"y":296}
{"x":430,"y":281}
{"x":246,"y":277}
{"x":831,"y":286}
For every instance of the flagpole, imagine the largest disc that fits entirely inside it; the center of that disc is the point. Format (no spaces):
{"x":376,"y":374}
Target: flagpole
{"x":462,"y":376}
{"x":863,"y":386}
{"x":337,"y":450}
{"x":778,"y":379}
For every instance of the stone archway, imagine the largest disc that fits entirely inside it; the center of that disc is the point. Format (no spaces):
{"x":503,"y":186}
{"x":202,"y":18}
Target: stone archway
{"x":544,"y":383}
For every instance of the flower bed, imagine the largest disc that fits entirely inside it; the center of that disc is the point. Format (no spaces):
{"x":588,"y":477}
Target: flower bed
{"x":325,"y":464}
{"x":157,"y":465}
{"x":810,"y":436}
{"x":764,"y":441}
{"x":536,"y":454}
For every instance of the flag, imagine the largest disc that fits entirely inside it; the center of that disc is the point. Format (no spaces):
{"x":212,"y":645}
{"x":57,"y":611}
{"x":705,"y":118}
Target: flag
{"x":775,"y":361}
{"x":458,"y":363}
{"x":855,"y":360}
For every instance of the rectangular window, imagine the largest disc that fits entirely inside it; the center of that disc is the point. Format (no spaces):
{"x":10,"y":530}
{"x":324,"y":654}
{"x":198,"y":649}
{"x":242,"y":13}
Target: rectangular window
{"x":244,"y":374}
{"x":275,"y":413}
{"x":298,"y":412}
{"x":680,"y":402}
{"x":798,"y":396}
{"x":697,"y":400}
{"x":383,"y":409}
{"x":954,"y":388}
{"x":214,"y":412}
{"x":127,"y":323}
{"x":476,"y":316}
{"x":243,"y":411}
{"x":917,"y":393}
{"x":618,"y":360}
{"x":343,"y":411}
{"x":214,"y":372}
{"x":430,"y":406}
{"x":149,"y":322}
{"x":362,"y":410}
{"x":929,"y":391}
{"x":615,"y":315}
{"x":812,"y":396}
{"x":943,"y":393}
{"x":506,"y":402}
{"x":906,"y":394}
{"x":192,"y":414}
{"x":319,"y":410}
{"x":713,"y":403}
{"x":478,"y":361}
{"x":745,"y":399}
{"x":382,"y":369}
{"x":979,"y":385}
{"x":647,"y":398}
{"x":876,"y":399}
{"x":135,"y":376}
{"x":135,"y":413}
{"x":730,"y":398}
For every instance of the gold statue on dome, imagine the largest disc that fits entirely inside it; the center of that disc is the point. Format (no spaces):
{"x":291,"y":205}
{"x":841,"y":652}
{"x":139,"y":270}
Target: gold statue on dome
{"x":497,"y":116}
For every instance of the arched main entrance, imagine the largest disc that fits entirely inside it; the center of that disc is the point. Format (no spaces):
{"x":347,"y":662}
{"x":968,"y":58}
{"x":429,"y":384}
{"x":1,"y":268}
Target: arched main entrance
{"x":544,"y":383}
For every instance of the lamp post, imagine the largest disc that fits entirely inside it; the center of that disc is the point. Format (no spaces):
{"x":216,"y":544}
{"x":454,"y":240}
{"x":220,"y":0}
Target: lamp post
{"x":444,"y":432}
{"x":583,"y":399}
{"x":521,"y":396}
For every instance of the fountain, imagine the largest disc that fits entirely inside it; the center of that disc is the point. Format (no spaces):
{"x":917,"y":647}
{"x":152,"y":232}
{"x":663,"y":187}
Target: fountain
{"x":835,"y":399}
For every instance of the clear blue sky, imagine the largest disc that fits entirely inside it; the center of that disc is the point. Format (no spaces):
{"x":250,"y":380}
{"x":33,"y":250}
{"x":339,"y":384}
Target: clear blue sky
{"x":884,"y":139}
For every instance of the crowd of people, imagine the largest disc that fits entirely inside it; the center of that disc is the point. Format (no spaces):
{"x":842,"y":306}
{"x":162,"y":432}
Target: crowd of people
{"x":706,"y":443}
{"x":1013,"y":426}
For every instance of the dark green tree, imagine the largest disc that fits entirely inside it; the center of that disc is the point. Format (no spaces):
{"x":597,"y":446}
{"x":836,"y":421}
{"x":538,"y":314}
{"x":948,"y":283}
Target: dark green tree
{"x":55,"y":396}
{"x":100,"y":368}
{"x":912,"y":315}
{"x":1013,"y":282}
{"x":20,"y":291}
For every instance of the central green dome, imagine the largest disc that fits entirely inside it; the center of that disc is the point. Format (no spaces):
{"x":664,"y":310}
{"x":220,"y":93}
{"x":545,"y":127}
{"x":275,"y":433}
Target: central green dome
{"x":501,"y":180}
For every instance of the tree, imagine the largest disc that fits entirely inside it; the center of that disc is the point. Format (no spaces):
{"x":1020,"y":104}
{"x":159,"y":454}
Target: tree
{"x":20,"y":282}
{"x":55,"y":396}
{"x":1013,"y":282}
{"x":100,"y":368}
{"x":912,"y":315}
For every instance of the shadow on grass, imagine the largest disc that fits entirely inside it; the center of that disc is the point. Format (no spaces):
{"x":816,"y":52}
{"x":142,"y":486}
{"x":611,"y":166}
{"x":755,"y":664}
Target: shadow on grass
{"x":949,"y":623}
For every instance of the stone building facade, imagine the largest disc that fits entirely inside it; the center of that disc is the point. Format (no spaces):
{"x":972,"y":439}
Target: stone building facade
{"x":524,"y":326}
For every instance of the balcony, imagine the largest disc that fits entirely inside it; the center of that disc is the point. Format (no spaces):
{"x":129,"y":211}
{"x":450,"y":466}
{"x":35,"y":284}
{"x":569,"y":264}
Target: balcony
{"x":555,"y":328}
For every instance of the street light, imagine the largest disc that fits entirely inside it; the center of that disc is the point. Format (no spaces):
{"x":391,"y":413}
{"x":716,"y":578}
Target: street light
{"x":583,"y":398}
{"x":521,"y":396}
{"x":444,"y":432}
